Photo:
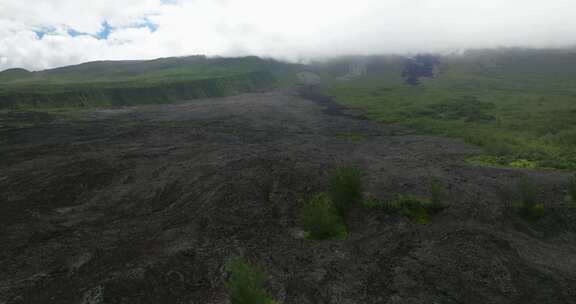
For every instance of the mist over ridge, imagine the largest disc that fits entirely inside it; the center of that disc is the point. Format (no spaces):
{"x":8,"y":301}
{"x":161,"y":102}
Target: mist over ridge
{"x":51,"y":34}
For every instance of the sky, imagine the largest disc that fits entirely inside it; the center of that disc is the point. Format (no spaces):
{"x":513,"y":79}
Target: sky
{"x":41,"y":34}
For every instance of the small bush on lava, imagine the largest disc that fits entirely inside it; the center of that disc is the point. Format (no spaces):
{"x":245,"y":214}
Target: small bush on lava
{"x":246,"y":283}
{"x":321,"y":220}
{"x":345,"y":188}
{"x":527,"y":204}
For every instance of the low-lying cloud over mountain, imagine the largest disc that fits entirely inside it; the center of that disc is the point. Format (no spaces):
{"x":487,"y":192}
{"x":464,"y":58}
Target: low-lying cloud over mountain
{"x":38,"y":34}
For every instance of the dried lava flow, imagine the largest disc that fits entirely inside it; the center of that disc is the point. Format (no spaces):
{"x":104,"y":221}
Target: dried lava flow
{"x":145,"y":205}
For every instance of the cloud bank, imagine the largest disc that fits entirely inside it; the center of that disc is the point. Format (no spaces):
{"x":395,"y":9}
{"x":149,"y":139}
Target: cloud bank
{"x":39,"y":34}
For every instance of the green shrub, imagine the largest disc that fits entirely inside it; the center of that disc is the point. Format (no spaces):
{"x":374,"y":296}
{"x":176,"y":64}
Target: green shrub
{"x":572,"y":189}
{"x":375,"y":204}
{"x":246,"y":283}
{"x":416,"y":209}
{"x":523,"y":163}
{"x":345,"y":188}
{"x":321,"y":220}
{"x":438,"y":195}
{"x":469,"y":108}
{"x":352,"y":136}
{"x":527,"y":204}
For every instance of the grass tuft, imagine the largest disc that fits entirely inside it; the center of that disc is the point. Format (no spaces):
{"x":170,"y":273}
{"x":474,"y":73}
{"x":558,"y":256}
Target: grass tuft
{"x":354,"y":137}
{"x":246,"y":283}
{"x":416,"y":209}
{"x":345,"y":188}
{"x":527,"y":204}
{"x":376,"y":204}
{"x":438,"y":195}
{"x":321,"y":220}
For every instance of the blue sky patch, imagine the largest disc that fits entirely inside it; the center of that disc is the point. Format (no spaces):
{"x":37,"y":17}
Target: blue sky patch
{"x":43,"y":31}
{"x":40,"y":34}
{"x":105,"y":30}
{"x":145,"y":23}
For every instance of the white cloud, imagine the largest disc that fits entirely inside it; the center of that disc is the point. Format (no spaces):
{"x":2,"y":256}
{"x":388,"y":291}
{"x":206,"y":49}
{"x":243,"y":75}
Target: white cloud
{"x":284,"y":29}
{"x":84,"y":16}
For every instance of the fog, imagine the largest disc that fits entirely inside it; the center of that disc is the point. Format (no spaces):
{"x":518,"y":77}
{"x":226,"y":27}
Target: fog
{"x":39,"y":34}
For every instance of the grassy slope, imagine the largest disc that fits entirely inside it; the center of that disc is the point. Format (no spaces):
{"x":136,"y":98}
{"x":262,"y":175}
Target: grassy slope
{"x":518,"y":104}
{"x":110,"y":83}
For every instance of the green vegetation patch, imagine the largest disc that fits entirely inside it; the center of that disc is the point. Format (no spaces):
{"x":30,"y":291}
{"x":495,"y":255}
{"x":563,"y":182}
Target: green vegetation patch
{"x":417,"y":209}
{"x":345,"y":188}
{"x":572,"y":190}
{"x":322,"y":217}
{"x":519,"y":105}
{"x":125,"y":83}
{"x":352,"y":136}
{"x":438,"y":194}
{"x":321,"y":220}
{"x":527,"y":203}
{"x":502,"y":161}
{"x":246,"y":283}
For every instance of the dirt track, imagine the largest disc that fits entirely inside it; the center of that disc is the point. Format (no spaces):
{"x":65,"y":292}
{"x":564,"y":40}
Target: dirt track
{"x":144,"y":205}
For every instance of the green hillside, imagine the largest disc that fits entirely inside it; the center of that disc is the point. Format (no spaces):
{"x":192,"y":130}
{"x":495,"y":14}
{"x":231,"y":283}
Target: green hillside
{"x":519,"y":104}
{"x":117,"y":83}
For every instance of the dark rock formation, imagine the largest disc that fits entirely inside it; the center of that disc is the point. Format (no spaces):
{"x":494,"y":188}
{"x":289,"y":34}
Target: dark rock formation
{"x":419,"y":67}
